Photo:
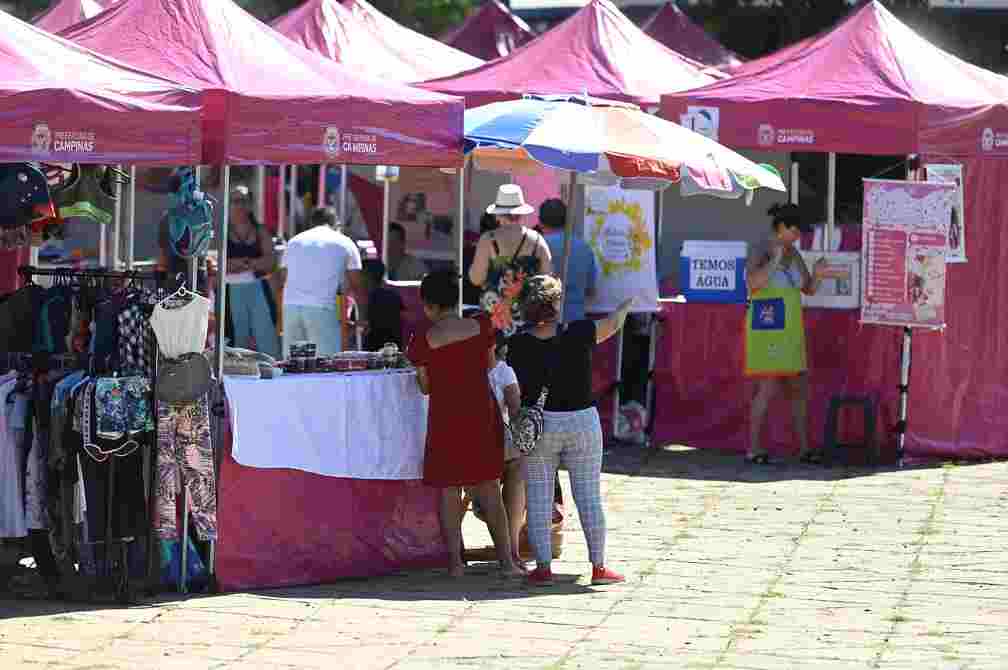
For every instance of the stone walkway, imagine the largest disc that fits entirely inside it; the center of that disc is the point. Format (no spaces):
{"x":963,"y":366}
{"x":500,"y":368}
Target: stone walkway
{"x":785,"y":567}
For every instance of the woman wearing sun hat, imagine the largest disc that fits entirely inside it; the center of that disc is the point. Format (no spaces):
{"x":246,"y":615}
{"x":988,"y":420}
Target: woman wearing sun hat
{"x":505,"y":257}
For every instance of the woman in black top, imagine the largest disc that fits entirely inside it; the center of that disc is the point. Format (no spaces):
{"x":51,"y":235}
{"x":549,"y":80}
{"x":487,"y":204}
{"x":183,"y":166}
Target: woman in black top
{"x":572,"y":436}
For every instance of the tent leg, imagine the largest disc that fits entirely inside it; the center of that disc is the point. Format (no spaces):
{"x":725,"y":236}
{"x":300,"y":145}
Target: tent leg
{"x":281,"y":194}
{"x":568,"y":242}
{"x":220,"y":307}
{"x":260,"y":193}
{"x":460,"y":232}
{"x":117,"y":221}
{"x":795,"y":182}
{"x":292,"y":212}
{"x":131,"y":220}
{"x":830,"y":230}
{"x":904,"y":391}
{"x":617,"y":399}
{"x":386,"y":215}
{"x":321,"y":186}
{"x":343,"y":197}
{"x":650,"y":387}
{"x":103,"y":246}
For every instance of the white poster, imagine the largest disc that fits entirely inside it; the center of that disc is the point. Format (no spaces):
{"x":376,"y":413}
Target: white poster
{"x":619,"y":227}
{"x":953,"y":174}
{"x":841,"y":285}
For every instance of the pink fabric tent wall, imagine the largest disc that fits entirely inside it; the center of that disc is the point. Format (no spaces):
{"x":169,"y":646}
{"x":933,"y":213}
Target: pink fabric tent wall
{"x":870,"y":86}
{"x":597,"y":51}
{"x":491,"y":32}
{"x":66,"y":13}
{"x":360,"y":37}
{"x":670,"y":26}
{"x":63,"y":103}
{"x":268,"y":100}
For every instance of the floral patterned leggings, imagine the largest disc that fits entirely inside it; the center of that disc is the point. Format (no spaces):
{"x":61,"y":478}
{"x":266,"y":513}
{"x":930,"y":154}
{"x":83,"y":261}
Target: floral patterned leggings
{"x":184,"y":449}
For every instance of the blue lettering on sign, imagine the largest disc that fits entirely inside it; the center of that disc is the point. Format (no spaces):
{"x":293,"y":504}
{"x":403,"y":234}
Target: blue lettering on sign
{"x":768,"y":314}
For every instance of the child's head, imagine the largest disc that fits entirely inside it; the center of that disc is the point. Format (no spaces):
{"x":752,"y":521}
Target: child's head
{"x":374,"y":270}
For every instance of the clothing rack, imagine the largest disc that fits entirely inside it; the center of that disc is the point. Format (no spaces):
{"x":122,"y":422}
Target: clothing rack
{"x":159,"y":278}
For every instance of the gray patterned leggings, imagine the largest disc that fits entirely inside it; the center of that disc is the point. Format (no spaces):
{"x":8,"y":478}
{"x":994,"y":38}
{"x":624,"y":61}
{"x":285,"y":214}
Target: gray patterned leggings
{"x":572,"y":440}
{"x":184,"y":450}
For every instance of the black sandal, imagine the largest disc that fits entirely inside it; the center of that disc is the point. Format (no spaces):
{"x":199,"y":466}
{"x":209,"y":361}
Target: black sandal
{"x":811,"y":457}
{"x":758,"y":459}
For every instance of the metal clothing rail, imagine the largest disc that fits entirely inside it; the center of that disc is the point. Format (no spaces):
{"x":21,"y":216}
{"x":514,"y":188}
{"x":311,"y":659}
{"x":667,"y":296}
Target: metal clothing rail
{"x":150,"y":467}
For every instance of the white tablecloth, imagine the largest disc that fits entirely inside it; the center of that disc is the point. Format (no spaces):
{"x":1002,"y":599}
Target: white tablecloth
{"x":367,"y":425}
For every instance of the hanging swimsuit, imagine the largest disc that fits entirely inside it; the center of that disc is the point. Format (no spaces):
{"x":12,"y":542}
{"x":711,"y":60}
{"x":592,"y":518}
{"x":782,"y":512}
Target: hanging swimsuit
{"x":505,"y":279}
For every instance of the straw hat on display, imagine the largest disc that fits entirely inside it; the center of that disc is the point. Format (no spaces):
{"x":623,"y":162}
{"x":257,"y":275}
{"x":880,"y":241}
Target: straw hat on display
{"x":510,"y":202}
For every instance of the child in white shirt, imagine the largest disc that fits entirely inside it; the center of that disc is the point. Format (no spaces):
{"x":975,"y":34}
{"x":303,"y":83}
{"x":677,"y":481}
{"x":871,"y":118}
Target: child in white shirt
{"x":504,"y":383}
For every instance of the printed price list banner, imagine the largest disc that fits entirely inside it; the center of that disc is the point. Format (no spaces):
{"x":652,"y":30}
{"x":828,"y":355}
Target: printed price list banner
{"x":905,"y":243}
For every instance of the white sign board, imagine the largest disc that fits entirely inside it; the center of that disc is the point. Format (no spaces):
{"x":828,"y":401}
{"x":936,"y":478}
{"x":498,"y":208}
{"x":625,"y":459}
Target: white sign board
{"x":841,"y":287}
{"x":953,"y":174}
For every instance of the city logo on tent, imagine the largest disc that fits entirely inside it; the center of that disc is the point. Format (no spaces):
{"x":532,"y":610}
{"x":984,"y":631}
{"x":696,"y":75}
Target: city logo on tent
{"x":991,"y":140}
{"x":44,"y":140}
{"x":767,"y":135}
{"x":336,"y":141}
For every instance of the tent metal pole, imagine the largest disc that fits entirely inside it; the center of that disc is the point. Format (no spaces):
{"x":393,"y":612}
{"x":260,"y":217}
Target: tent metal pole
{"x":292,"y":212}
{"x":906,"y":355}
{"x":827,"y":238}
{"x":460,"y":234}
{"x":103,"y":246}
{"x":343,"y":196}
{"x":386,"y":215}
{"x":649,"y":401}
{"x":131,"y":220}
{"x":117,"y":221}
{"x":795,"y":182}
{"x":281,"y":194}
{"x":321,"y":202}
{"x":260,"y":193}
{"x":617,"y":399}
{"x":568,"y":241}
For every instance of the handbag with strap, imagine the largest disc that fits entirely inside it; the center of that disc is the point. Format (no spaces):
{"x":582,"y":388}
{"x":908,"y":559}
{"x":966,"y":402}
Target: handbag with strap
{"x":527,"y":428}
{"x":184,"y":379}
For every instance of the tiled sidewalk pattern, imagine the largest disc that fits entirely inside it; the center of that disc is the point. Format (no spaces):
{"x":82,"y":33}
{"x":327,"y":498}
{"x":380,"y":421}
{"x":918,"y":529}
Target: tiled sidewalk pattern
{"x":785,"y":567}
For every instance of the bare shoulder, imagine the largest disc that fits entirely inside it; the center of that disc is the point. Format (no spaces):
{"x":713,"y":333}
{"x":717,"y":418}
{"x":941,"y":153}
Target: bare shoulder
{"x":445,"y":333}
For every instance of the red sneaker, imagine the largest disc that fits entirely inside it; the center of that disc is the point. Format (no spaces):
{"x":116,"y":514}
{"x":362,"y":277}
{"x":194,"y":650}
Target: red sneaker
{"x":540,"y":577}
{"x":602,"y":576}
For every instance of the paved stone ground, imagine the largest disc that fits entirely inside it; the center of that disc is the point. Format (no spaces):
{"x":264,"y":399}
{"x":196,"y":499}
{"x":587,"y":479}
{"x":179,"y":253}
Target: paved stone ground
{"x":785,"y":567}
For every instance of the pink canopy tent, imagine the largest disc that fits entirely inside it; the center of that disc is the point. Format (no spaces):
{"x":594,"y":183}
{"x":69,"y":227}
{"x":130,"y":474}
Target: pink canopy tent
{"x":66,"y":13}
{"x":670,"y":26}
{"x":597,"y":51}
{"x":359,"y":36}
{"x":267,"y":99}
{"x":490,"y":32}
{"x":62,"y":103}
{"x":870,"y":86}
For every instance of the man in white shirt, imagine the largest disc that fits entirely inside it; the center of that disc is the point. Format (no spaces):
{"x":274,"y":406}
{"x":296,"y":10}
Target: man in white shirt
{"x":318,"y":264}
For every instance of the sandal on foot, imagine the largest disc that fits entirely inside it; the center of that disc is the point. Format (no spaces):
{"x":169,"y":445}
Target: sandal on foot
{"x":811,"y":457}
{"x":758,"y":459}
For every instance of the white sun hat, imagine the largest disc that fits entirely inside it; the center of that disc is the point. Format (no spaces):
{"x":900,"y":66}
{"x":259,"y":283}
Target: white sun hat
{"x":510,"y":200}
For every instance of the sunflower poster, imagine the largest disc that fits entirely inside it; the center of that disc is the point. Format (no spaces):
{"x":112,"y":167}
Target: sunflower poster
{"x":619,"y":227}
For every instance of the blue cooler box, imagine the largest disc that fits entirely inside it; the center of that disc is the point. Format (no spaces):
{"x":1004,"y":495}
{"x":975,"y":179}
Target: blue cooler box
{"x":712,"y":271}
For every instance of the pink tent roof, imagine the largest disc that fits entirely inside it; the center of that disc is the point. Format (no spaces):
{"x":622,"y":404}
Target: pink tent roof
{"x":268,"y":100}
{"x":670,"y":26}
{"x":369,"y":42}
{"x":597,"y":51}
{"x":66,"y":13}
{"x":490,"y":32}
{"x":62,"y":103}
{"x":869,"y":86}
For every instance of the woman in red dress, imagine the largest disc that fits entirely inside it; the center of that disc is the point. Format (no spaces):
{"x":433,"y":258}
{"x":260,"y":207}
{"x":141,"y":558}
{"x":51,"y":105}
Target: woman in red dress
{"x":465,"y":432}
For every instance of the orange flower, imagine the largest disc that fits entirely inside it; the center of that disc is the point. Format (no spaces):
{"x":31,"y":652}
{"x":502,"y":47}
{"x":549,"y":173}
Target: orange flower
{"x":500,"y":315}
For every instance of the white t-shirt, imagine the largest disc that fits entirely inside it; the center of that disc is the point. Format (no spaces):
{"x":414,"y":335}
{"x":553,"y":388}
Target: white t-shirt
{"x":181,"y":330}
{"x":317,"y":261}
{"x":501,"y":377}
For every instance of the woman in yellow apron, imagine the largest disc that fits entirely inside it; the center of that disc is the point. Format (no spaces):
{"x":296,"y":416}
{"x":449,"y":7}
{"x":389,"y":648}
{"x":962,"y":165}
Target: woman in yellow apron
{"x":774,"y":333}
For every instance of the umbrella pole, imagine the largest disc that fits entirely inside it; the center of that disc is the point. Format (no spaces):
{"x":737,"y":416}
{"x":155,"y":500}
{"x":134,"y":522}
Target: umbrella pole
{"x":131,"y":219}
{"x":260,"y":193}
{"x":568,"y":242}
{"x":281,"y":194}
